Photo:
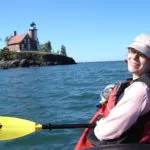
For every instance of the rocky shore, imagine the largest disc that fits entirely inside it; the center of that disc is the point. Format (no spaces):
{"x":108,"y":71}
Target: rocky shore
{"x":45,"y":60}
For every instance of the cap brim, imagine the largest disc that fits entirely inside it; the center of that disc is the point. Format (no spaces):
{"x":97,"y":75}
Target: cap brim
{"x":141,"y":48}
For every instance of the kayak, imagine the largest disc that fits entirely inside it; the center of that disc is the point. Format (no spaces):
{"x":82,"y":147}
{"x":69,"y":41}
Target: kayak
{"x":84,"y":143}
{"x":122,"y":147}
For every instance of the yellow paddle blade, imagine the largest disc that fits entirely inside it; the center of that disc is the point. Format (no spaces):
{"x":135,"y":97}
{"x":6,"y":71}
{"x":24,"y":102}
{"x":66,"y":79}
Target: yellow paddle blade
{"x":11,"y":128}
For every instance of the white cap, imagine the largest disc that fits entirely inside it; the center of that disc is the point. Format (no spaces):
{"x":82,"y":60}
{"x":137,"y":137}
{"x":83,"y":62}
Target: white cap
{"x":142,"y":44}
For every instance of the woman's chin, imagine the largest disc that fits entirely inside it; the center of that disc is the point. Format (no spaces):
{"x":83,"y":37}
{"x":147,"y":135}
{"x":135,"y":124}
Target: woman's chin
{"x":132,"y":70}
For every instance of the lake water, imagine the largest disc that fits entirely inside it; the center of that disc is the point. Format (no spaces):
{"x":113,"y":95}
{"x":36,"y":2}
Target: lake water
{"x":57,"y":95}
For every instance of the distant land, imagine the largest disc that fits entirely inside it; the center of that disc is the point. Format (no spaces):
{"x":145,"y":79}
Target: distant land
{"x":32,"y":58}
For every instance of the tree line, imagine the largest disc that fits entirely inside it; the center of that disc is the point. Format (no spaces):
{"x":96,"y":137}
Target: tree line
{"x":47,"y":47}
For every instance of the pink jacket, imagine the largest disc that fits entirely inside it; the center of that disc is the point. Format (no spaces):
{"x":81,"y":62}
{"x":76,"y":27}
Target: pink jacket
{"x":134,"y":103}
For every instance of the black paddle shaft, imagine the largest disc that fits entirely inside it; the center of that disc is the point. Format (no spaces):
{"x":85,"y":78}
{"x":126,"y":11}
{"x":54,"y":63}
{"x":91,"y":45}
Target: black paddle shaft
{"x":67,"y":126}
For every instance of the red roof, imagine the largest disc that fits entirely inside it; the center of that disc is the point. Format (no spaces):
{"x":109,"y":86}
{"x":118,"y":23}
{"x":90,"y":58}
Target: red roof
{"x":16,"y":39}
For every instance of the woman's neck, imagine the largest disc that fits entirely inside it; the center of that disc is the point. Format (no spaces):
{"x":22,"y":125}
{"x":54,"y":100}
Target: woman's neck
{"x":135,"y":77}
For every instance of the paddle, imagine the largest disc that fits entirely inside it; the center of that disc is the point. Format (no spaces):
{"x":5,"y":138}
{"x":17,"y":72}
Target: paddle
{"x":11,"y":127}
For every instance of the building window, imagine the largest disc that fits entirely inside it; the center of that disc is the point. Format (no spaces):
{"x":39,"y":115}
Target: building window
{"x":22,"y":46}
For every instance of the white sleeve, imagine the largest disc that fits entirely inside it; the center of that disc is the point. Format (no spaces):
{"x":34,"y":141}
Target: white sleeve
{"x":125,"y":113}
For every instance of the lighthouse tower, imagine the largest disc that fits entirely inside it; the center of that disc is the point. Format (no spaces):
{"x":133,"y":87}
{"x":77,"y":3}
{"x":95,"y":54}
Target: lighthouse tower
{"x":33,"y":36}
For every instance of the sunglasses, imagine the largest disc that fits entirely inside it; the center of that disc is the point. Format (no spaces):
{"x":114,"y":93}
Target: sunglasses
{"x":134,"y":51}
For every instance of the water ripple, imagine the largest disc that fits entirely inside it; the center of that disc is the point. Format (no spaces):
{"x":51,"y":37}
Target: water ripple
{"x":56,"y":94}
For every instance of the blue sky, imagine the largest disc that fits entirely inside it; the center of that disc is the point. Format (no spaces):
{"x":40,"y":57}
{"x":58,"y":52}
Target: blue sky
{"x":91,"y":30}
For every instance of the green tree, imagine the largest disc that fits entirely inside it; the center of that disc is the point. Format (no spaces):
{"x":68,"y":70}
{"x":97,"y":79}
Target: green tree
{"x":63,"y":50}
{"x":5,"y":54}
{"x":47,"y":47}
{"x":57,"y":52}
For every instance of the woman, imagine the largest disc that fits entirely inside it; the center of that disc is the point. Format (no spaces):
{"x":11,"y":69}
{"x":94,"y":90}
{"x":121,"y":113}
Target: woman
{"x":135,"y":101}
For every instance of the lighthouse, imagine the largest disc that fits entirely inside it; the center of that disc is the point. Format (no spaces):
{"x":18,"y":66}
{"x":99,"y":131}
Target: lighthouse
{"x":33,"y":36}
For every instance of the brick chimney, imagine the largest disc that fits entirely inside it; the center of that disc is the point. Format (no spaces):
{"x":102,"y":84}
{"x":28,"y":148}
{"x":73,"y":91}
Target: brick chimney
{"x":15,"y":33}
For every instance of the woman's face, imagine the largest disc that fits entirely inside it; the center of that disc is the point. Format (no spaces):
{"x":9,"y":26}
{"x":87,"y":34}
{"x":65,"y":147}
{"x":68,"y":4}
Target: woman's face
{"x":137,"y":62}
